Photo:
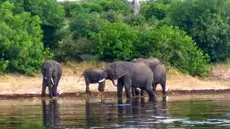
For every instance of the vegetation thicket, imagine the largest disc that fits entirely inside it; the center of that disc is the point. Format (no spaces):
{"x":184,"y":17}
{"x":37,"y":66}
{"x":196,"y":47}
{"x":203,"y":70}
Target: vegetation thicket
{"x":188,"y":34}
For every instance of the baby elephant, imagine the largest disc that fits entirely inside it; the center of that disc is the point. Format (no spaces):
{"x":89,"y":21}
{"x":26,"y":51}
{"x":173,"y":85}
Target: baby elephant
{"x":94,"y":76}
{"x":51,"y":71}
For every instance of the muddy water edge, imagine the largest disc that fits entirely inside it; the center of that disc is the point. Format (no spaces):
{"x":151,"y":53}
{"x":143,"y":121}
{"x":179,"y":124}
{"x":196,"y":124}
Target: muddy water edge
{"x":191,"y":109}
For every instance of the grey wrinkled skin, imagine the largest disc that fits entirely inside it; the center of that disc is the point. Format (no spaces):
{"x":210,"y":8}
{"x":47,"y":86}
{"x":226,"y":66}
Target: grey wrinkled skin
{"x":94,"y":76}
{"x":52,"y":72}
{"x":129,"y":75}
{"x":159,"y":72}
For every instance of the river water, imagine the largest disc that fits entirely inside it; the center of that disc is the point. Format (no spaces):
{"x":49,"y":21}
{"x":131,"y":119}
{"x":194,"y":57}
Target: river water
{"x":178,"y":111}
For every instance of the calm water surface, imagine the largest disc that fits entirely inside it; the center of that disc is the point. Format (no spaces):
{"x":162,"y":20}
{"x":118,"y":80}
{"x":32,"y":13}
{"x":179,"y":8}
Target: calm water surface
{"x":184,"y":111}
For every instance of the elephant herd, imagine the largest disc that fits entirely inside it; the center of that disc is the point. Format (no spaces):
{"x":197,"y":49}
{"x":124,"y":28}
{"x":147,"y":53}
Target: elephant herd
{"x":140,"y":73}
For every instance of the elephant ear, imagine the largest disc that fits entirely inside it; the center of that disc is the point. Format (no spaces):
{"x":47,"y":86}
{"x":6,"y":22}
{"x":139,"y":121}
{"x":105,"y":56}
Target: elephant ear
{"x":120,"y":69}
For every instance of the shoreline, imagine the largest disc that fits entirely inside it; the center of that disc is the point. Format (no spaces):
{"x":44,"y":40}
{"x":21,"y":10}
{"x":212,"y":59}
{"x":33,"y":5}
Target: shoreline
{"x":113,"y":94}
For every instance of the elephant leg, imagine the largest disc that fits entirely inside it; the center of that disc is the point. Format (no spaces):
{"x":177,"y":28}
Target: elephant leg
{"x":128,"y":91}
{"x":154,"y":85}
{"x":50,"y":88}
{"x":142,"y":92}
{"x":119,"y":88}
{"x":43,"y":87}
{"x":87,"y":82}
{"x":54,"y":88}
{"x":55,"y":85}
{"x":151,"y":94}
{"x":134,"y":91}
{"x":127,"y":85}
{"x":87,"y":90}
{"x":150,"y":91}
{"x":163,"y":86}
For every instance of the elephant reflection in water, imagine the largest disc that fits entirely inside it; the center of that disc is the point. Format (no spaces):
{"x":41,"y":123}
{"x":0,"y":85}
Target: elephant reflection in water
{"x":142,"y":112}
{"x":98,"y":115}
{"x":51,"y":115}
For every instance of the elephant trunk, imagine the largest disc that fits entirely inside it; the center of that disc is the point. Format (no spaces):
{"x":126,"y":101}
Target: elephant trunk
{"x":113,"y":83}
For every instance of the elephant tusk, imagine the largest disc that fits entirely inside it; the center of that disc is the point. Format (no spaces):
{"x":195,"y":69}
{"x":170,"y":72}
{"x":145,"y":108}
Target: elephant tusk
{"x":102,"y":80}
{"x":52,"y":81}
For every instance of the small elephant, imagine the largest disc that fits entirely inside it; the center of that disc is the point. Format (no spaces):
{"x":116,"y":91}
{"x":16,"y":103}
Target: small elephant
{"x":52,"y":72}
{"x":94,"y":76}
{"x":159,"y":72}
{"x":131,"y":75}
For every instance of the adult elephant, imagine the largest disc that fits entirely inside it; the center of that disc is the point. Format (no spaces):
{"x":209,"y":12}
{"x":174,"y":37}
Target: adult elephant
{"x":52,"y":72}
{"x":129,"y":75}
{"x":92,"y":75}
{"x":159,"y":72}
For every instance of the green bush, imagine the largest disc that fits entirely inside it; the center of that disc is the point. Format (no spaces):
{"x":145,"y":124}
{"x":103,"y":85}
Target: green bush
{"x":207,"y":23}
{"x":121,"y":6}
{"x":76,"y":8}
{"x":4,"y":65}
{"x":175,"y":48}
{"x":113,"y":16}
{"x":156,"y":9}
{"x":79,"y":49}
{"x":85,"y":24}
{"x":51,"y":14}
{"x":115,"y":41}
{"x":135,"y":20}
{"x":20,"y":35}
{"x":98,"y":6}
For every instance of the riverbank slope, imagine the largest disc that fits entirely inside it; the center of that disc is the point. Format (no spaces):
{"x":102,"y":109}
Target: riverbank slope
{"x":12,"y":84}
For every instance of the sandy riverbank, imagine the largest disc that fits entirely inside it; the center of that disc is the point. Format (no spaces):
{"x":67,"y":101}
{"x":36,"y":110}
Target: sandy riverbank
{"x":12,"y":84}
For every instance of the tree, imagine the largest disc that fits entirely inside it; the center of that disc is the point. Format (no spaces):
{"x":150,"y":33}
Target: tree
{"x":173,"y":47}
{"x":157,"y":9}
{"x":204,"y":21}
{"x":83,"y":25}
{"x":20,"y":40}
{"x":77,"y":49}
{"x":115,"y":41}
{"x":51,"y":14}
{"x":52,"y":17}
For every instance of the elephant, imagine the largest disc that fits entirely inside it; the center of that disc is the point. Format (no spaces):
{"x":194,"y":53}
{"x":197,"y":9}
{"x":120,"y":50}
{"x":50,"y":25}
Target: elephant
{"x":159,"y":72}
{"x":130,"y":75}
{"x":52,"y":72}
{"x":92,"y":75}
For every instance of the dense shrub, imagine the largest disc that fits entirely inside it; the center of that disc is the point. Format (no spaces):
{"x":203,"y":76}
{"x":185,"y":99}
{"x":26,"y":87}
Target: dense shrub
{"x":20,"y":41}
{"x":99,"y":6}
{"x":51,"y":14}
{"x":135,"y":20}
{"x":156,"y":9}
{"x":113,"y":16}
{"x":85,"y":24}
{"x":76,"y":8}
{"x":174,"y":47}
{"x":115,"y":41}
{"x":79,"y":49}
{"x":122,"y":6}
{"x":205,"y":21}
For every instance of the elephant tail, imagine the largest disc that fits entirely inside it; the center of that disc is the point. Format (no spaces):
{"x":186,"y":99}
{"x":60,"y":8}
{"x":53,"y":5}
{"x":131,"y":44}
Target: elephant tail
{"x":80,"y":77}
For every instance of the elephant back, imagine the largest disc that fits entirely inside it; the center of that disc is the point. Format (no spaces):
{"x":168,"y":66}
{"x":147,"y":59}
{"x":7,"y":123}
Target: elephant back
{"x":151,"y":62}
{"x":140,"y":73}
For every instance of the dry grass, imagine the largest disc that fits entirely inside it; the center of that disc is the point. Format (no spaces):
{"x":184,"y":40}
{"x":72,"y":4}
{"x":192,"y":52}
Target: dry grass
{"x":72,"y":67}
